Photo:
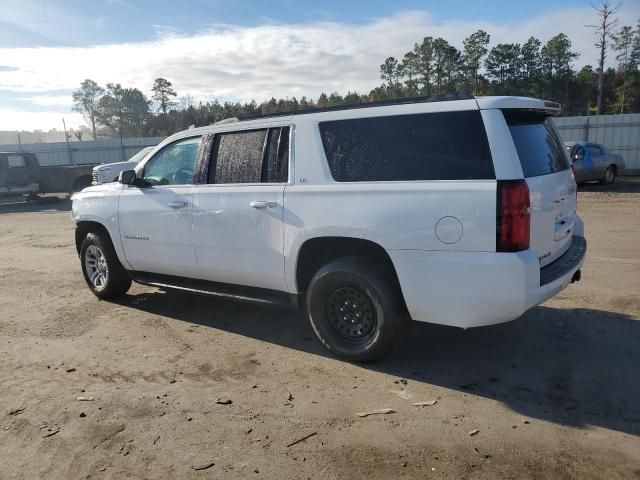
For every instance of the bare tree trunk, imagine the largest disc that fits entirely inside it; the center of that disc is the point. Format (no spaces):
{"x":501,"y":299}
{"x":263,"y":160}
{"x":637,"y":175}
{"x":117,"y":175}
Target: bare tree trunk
{"x":604,"y":30}
{"x":601,"y":76}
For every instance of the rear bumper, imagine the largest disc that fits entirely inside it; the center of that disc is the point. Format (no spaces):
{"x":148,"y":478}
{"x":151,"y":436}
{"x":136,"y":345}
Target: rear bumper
{"x":573,"y":257}
{"x":471,"y":289}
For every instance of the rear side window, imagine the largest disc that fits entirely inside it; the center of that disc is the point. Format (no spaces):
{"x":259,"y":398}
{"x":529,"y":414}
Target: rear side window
{"x":253,"y":156}
{"x":431,"y":146}
{"x":540,"y":150}
{"x":595,"y":151}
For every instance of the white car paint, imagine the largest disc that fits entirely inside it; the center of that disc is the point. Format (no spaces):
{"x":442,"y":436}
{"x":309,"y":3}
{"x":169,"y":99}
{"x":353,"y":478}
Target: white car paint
{"x":440,"y":235}
{"x":108,"y":172}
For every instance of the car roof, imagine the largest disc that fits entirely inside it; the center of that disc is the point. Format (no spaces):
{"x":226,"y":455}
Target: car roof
{"x":458,"y":101}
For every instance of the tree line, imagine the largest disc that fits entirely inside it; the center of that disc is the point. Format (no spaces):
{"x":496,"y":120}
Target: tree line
{"x":433,"y":66}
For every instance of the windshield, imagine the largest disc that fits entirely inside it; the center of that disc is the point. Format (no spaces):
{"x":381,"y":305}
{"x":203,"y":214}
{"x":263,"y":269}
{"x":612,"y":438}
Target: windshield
{"x":140,"y":155}
{"x":539,"y":147}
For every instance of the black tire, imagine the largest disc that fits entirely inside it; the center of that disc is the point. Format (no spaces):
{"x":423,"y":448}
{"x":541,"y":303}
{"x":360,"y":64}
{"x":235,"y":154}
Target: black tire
{"x":374,"y":312}
{"x":116,"y":278}
{"x":609,"y":176}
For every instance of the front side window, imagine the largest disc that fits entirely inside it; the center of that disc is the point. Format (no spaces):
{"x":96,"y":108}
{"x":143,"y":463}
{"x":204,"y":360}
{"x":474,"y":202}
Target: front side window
{"x":16,"y":161}
{"x":429,"y":146}
{"x":174,"y":164}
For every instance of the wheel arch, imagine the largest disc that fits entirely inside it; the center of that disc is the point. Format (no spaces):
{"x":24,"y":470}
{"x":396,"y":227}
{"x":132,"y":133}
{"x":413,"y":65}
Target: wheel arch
{"x":85,"y":227}
{"x":318,"y":251}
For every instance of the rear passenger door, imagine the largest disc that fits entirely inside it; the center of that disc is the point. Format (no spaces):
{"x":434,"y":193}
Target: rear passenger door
{"x":238,"y":208}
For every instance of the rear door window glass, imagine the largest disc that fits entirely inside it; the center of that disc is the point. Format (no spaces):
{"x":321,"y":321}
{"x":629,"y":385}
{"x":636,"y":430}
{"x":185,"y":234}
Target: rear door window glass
{"x":430,"y":146}
{"x":236,"y":157}
{"x":538,"y":145}
{"x":251,"y":156}
{"x":16,"y":161}
{"x":276,"y":165}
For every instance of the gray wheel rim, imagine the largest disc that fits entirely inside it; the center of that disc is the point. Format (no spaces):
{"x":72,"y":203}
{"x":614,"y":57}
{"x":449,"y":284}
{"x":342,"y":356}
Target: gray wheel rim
{"x":609,"y":176}
{"x":95,"y":265}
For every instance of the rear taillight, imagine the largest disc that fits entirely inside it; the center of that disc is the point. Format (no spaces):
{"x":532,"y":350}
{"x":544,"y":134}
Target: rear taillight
{"x":513,"y":216}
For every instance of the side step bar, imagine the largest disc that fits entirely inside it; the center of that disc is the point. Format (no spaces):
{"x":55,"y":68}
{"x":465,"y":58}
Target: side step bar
{"x":205,"y":287}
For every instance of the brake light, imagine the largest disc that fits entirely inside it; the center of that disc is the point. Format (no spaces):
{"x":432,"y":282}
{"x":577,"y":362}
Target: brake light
{"x":513,"y":222}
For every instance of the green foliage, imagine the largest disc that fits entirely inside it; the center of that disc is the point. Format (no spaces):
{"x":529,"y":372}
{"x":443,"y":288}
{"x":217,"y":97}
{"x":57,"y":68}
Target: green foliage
{"x":163,"y":93}
{"x":124,"y":110}
{"x":86,"y":100}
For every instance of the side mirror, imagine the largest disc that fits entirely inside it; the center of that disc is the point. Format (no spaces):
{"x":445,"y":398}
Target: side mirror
{"x":127,"y":177}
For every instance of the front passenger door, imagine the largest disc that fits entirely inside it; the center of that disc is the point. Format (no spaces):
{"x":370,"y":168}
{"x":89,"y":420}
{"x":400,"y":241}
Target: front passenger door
{"x":155,"y":217}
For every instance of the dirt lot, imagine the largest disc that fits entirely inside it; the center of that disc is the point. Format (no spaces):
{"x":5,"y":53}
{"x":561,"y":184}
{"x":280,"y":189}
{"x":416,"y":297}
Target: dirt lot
{"x":555,"y":394}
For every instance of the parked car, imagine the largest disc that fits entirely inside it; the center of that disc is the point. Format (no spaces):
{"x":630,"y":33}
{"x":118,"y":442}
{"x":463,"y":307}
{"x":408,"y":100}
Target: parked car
{"x":21,"y":174}
{"x":108,"y":172}
{"x":593,"y":161}
{"x":459,"y":212}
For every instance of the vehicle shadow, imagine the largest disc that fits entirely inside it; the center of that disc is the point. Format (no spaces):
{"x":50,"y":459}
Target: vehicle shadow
{"x":623,"y":184}
{"x":569,"y":366}
{"x":44,"y":204}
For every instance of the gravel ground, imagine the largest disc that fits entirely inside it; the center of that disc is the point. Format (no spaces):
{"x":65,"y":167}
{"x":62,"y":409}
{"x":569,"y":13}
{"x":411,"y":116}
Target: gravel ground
{"x":554,"y":394}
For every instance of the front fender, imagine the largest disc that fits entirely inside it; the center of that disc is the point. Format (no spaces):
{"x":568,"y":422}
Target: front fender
{"x":100,"y":207}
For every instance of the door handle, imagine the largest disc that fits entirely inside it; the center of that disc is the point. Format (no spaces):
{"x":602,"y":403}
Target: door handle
{"x":260,"y":204}
{"x":178,"y":204}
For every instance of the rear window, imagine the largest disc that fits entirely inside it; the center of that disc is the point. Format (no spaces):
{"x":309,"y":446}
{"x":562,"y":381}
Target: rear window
{"x":540,"y":150}
{"x":431,"y":146}
{"x":16,"y":161}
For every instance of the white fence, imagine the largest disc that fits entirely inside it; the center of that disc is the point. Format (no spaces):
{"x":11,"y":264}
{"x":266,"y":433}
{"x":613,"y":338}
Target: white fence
{"x":78,"y":153}
{"x":620,"y":133}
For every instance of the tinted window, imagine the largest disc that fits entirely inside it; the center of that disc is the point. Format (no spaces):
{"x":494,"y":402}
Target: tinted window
{"x":254,"y":156}
{"x":276,"y":165}
{"x":594,"y":150}
{"x":174,"y":164}
{"x":540,"y":150}
{"x":16,"y":161}
{"x":432,"y":146}
{"x":236,"y":157}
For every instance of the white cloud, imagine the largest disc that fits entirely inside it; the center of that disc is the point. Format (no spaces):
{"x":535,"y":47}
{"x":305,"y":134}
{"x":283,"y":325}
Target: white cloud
{"x":49,"y":100}
{"x":272,"y":60}
{"x":11,"y":119}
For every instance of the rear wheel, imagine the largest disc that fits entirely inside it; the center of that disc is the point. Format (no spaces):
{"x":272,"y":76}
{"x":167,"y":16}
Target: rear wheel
{"x":609,"y":176}
{"x":101,"y":269}
{"x":355,"y":309}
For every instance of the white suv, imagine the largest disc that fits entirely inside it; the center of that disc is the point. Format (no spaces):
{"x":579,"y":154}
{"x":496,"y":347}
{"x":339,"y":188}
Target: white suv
{"x":459,"y":212}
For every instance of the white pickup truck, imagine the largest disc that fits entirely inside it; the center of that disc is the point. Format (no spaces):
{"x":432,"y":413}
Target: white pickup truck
{"x":456,"y":211}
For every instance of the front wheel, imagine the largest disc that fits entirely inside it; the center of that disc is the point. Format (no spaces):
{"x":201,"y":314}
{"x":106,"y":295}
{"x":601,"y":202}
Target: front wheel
{"x":355,"y":309}
{"x":101,"y":269}
{"x":609,"y":176}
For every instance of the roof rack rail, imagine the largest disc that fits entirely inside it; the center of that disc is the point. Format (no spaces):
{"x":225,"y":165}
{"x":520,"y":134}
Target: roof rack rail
{"x":376,"y":103}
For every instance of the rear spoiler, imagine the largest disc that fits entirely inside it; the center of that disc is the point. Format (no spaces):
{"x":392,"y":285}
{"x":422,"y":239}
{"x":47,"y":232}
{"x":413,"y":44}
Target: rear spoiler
{"x":547,"y":107}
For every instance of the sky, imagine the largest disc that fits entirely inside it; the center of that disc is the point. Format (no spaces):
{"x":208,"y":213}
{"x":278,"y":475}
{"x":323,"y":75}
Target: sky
{"x":244,"y":49}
